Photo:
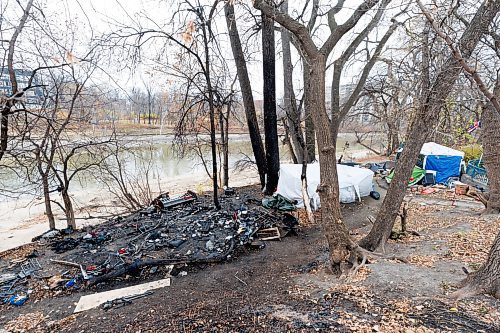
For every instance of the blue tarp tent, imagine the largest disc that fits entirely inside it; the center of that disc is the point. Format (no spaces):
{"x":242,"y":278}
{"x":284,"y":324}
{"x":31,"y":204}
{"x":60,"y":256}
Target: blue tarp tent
{"x":445,"y":161}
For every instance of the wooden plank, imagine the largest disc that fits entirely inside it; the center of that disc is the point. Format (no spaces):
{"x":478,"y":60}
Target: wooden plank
{"x":91,"y":301}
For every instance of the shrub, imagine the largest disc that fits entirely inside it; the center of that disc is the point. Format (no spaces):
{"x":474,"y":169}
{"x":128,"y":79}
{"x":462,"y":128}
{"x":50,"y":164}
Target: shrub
{"x":472,"y":152}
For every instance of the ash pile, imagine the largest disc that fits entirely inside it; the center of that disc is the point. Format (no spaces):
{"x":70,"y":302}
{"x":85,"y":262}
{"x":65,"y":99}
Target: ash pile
{"x":170,"y":234}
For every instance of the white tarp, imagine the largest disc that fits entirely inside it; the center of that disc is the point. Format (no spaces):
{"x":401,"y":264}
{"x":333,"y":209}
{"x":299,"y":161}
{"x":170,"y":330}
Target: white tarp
{"x":354,"y":183}
{"x":432,"y":148}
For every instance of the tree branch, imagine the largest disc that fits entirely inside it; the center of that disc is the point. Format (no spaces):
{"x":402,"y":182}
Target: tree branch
{"x":458,"y":56}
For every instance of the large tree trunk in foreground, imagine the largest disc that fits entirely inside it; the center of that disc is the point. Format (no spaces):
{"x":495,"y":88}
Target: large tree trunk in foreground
{"x":428,"y":113}
{"x":486,"y":279}
{"x":491,"y":144}
{"x":337,"y":235}
{"x":270,"y":118}
{"x":246,"y":92}
{"x":314,"y":63}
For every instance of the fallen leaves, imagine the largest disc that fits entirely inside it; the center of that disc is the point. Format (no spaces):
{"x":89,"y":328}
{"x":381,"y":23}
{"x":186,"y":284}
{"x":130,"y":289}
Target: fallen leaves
{"x":25,"y":322}
{"x":422,"y":260}
{"x":360,"y":275}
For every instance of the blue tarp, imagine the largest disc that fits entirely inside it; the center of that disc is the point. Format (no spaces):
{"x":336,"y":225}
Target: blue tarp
{"x":445,"y":166}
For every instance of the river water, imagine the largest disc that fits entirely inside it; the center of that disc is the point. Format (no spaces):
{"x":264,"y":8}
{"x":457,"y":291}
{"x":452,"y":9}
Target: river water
{"x":165,"y":163}
{"x":22,"y":216}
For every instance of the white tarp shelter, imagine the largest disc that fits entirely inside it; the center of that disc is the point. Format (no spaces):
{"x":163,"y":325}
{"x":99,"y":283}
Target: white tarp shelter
{"x":432,"y":148}
{"x":354,"y":183}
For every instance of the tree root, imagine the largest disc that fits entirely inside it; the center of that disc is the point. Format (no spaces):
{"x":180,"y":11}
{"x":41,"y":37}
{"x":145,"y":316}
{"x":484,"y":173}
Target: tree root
{"x":395,"y":235}
{"x":465,"y":292}
{"x":355,"y":268}
{"x":359,"y":258}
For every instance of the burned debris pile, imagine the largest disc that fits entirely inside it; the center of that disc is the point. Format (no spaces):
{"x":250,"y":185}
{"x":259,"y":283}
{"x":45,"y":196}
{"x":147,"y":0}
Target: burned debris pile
{"x":165,"y":237}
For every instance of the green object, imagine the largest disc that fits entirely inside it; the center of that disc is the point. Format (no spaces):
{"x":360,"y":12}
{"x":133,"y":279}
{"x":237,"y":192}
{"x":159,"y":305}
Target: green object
{"x":416,"y":175}
{"x":279,"y":202}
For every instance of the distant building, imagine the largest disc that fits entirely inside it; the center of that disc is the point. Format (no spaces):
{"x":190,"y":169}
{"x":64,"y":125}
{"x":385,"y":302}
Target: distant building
{"x":32,"y":97}
{"x":362,"y":108}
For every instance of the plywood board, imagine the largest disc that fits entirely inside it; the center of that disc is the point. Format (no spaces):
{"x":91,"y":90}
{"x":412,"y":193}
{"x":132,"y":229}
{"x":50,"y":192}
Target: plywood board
{"x":91,"y":301}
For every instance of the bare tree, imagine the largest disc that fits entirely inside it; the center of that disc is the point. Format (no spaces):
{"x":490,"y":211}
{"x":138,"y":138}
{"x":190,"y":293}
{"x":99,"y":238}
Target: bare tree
{"x":292,"y":109}
{"x":246,"y":91}
{"x":9,"y":103}
{"x":340,"y":244}
{"x":269,"y":92}
{"x":491,"y":113}
{"x":433,"y":97}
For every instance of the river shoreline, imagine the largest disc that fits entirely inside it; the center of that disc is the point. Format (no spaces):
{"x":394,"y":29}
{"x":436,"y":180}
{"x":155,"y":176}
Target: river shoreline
{"x":23,"y":218}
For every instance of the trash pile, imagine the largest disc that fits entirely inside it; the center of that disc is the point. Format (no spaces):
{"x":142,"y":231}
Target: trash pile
{"x":177,"y":231}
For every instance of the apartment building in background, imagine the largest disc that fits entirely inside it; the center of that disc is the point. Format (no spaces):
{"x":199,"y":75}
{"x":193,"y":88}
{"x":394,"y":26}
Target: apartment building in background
{"x":32,"y":98}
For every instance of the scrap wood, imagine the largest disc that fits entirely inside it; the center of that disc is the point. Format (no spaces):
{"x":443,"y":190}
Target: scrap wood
{"x":269,"y":234}
{"x":237,"y":278}
{"x":483,"y":198}
{"x":72,"y":264}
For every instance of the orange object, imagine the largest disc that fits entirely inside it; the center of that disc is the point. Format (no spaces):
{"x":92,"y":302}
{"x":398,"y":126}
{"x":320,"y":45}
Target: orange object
{"x":461,"y":189}
{"x":429,"y":190}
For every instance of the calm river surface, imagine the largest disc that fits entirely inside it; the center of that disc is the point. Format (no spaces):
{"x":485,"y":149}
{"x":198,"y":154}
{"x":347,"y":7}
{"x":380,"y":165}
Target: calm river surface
{"x":165,"y":163}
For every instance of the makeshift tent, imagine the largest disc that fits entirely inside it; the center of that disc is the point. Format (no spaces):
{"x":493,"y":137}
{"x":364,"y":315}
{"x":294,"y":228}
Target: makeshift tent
{"x":444,"y":160}
{"x":354,"y":183}
{"x":416,"y":175}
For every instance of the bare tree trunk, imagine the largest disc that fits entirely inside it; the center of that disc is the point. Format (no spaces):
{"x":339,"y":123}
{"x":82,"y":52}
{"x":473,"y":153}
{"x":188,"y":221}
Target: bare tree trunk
{"x":393,"y":138}
{"x":305,"y":193}
{"x":432,"y":101}
{"x":314,"y":62}
{"x":486,"y":279}
{"x":211,"y":106}
{"x":150,"y":106}
{"x":288,"y":140}
{"x":4,"y":130}
{"x":68,"y":209}
{"x":337,"y":235}
{"x":224,"y":134}
{"x":48,"y":205}
{"x":269,"y":92}
{"x":310,"y":135}
{"x":290,"y":102}
{"x":491,"y":143}
{"x":246,"y":92}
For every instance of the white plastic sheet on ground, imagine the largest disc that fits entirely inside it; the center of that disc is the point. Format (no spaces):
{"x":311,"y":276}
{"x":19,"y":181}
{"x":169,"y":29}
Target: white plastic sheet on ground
{"x":354,"y":183}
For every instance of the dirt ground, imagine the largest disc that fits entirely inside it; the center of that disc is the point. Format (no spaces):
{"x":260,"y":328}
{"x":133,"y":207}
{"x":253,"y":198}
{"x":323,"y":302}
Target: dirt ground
{"x":286,"y":288}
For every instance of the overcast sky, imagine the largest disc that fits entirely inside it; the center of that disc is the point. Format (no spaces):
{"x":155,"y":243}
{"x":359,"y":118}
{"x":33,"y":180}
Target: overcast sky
{"x":96,"y":17}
